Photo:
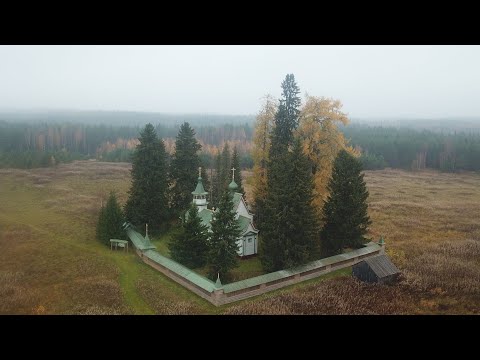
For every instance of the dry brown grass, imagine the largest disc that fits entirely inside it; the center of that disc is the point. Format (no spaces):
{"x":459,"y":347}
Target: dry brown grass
{"x":431,"y":224}
{"x":163,"y":306}
{"x":337,"y":296}
{"x":449,"y":268}
{"x":50,"y":262}
{"x":15,"y":296}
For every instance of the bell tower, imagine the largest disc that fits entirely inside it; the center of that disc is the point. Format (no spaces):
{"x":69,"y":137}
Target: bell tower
{"x":200,"y":195}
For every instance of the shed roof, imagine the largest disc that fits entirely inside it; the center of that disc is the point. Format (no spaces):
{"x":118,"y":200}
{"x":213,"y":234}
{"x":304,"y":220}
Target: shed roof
{"x":382,"y":266}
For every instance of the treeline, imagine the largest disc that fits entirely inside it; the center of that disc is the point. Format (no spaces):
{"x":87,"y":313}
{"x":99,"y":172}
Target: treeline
{"x":29,"y":145}
{"x":413,"y":150}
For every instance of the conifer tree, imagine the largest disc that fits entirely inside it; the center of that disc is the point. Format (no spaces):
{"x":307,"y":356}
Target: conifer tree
{"x":301,"y":224}
{"x":184,"y":168}
{"x":225,"y":168}
{"x":217,"y":188}
{"x":279,"y":247}
{"x":223,"y":240}
{"x":345,"y":213}
{"x":110,"y":221}
{"x":147,"y":202}
{"x":291,"y":237}
{"x":286,"y":118}
{"x":238,"y":176}
{"x":189,"y":247}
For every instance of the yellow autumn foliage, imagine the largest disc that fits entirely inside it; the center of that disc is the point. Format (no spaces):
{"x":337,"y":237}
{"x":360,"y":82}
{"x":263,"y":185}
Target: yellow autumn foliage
{"x":322,"y":140}
{"x":261,"y":144}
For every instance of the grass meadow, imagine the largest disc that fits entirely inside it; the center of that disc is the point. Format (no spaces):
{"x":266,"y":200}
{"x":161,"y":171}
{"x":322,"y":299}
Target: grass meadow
{"x":50,"y":262}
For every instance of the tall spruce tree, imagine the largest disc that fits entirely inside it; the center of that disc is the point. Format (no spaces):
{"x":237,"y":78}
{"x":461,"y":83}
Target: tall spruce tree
{"x":184,"y":169}
{"x":147,"y":202}
{"x":345,"y":213}
{"x":278,"y":243}
{"x":291,"y":234}
{"x":190,"y":247}
{"x":110,"y":221}
{"x":222,"y":256}
{"x":225,"y":168}
{"x":286,"y":118}
{"x":217,"y":188}
{"x":301,"y":223}
{"x":238,"y":176}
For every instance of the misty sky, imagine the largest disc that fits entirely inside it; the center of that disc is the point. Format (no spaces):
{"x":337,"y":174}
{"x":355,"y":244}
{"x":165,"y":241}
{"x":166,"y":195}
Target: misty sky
{"x":371,"y":81}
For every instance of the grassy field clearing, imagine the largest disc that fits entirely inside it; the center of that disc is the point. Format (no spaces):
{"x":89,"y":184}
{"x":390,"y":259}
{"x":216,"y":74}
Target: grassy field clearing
{"x":50,"y":262}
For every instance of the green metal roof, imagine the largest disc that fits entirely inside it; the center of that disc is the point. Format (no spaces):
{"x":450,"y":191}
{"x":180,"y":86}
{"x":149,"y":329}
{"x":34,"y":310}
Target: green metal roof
{"x":206,"y":216}
{"x":118,"y":241}
{"x":236,"y":200}
{"x":139,"y":241}
{"x":181,"y":270}
{"x":199,"y":190}
{"x":233,"y":185}
{"x":218,"y":283}
{"x":277,"y":275}
{"x":381,"y":241}
{"x":243,"y":223}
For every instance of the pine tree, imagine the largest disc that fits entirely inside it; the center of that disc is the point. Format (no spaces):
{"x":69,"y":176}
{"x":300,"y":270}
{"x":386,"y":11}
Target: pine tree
{"x":110,"y":221}
{"x":184,"y":168}
{"x":223,"y":241}
{"x":147,"y":202}
{"x":189,"y":247}
{"x":345,"y":212}
{"x":238,"y":176}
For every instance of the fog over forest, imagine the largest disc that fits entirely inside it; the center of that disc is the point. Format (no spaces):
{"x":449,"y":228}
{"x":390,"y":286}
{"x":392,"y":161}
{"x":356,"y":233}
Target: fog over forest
{"x":371,"y":81}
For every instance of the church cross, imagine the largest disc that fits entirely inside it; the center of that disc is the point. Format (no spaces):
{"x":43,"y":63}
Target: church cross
{"x":200,"y":171}
{"x":233,"y":174}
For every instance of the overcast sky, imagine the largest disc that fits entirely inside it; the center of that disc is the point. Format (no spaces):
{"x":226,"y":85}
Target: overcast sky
{"x":371,"y":81}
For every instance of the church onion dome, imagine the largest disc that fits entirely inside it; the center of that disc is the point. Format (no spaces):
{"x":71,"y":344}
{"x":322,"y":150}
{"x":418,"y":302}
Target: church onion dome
{"x":233,"y":186}
{"x":199,"y":190}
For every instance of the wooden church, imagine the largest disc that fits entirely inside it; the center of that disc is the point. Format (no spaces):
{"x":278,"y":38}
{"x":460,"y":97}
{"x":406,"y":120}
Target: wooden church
{"x":248,"y":240}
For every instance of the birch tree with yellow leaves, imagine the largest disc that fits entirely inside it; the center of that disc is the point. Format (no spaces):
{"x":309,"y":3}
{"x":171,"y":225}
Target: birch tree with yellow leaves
{"x":322,"y":140}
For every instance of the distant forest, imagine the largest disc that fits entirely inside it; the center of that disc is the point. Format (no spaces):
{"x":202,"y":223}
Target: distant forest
{"x":30,"y":145}
{"x":48,"y":141}
{"x":414,"y":149}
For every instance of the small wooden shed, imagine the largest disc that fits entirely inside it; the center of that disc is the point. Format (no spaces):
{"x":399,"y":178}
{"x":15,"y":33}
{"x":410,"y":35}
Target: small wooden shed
{"x":377,"y":269}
